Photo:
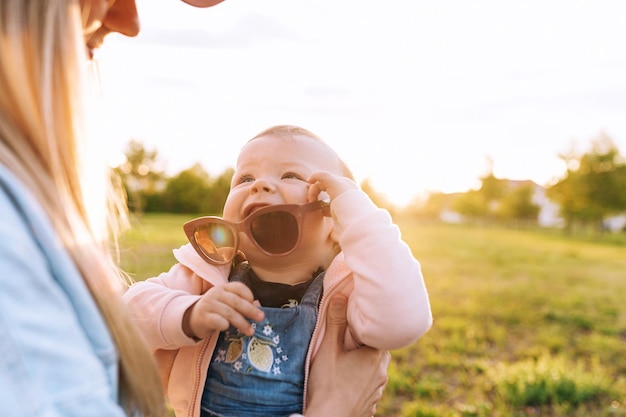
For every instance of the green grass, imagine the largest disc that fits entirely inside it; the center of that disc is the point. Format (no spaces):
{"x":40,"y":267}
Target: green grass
{"x":526,"y":322}
{"x":146,"y":249}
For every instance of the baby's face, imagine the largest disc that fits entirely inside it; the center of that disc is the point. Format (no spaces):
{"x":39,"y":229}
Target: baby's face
{"x":275,"y":170}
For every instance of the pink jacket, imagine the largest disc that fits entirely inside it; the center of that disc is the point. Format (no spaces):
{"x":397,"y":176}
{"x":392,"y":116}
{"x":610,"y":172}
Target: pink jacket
{"x":388,"y":306}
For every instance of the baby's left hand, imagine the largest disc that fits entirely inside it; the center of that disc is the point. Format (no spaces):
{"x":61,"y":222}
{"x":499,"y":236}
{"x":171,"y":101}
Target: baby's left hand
{"x":333,"y":185}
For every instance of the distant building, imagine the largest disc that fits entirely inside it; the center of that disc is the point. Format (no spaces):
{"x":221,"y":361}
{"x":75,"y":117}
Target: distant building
{"x":615,"y":223}
{"x":449,"y":216}
{"x":548,"y":210}
{"x":548,"y":215}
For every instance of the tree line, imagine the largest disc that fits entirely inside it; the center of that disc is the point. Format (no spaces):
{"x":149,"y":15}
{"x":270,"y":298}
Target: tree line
{"x":592,"y":188}
{"x":149,"y":189}
{"x":192,"y":190}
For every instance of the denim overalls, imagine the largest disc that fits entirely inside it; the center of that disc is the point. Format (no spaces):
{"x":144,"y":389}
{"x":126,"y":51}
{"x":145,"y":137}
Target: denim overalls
{"x":263,"y":375}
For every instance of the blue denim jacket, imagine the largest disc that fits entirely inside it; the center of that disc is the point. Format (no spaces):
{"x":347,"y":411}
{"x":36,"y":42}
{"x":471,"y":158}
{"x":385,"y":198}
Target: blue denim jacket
{"x":57,"y":357}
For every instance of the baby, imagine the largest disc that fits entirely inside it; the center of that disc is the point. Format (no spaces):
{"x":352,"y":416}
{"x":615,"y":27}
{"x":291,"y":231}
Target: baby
{"x":235,"y":324}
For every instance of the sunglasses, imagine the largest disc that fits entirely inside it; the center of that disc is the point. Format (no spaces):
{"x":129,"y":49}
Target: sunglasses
{"x":274,"y":230}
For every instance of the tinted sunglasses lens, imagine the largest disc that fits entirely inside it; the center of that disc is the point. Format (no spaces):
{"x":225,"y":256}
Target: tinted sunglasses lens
{"x":276,"y":232}
{"x":216,"y":241}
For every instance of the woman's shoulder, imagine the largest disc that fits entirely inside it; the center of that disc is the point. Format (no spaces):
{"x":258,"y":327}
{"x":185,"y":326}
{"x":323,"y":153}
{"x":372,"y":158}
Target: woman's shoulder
{"x":41,"y":276}
{"x":29,"y":244}
{"x":22,"y":216}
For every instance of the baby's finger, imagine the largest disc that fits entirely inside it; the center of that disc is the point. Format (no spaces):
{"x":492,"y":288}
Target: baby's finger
{"x":241,"y":301}
{"x":321,"y":177}
{"x":313,"y":192}
{"x":245,"y":303}
{"x":239,"y":289}
{"x":231,"y":316}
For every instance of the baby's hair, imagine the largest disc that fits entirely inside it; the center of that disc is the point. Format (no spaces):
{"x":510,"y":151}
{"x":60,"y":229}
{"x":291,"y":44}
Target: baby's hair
{"x":289,"y":131}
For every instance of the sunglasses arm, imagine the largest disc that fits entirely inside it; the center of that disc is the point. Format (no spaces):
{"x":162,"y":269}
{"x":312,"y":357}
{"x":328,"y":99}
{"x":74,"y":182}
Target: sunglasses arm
{"x":239,"y":258}
{"x":325,"y":206}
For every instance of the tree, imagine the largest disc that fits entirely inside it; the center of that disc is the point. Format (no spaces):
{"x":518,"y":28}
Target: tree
{"x":194,"y":191}
{"x":432,"y":207}
{"x":594,"y":185}
{"x":220,"y":187}
{"x":491,"y":191}
{"x":188,"y":192}
{"x":471,"y":205}
{"x":375,"y":196}
{"x":140,"y":174}
{"x":517,"y":204}
{"x":484,"y":202}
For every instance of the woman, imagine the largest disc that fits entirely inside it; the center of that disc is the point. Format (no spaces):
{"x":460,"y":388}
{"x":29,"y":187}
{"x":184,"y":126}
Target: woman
{"x":67,"y":346}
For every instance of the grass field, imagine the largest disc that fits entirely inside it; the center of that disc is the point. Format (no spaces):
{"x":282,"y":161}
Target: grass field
{"x":526,"y":322}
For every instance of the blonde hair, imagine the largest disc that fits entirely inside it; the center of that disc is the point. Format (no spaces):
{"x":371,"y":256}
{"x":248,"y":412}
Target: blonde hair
{"x":288,"y":131}
{"x":42,"y":135}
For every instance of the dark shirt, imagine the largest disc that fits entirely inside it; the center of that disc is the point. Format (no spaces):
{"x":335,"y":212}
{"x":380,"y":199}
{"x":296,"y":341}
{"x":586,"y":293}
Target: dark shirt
{"x":276,"y":295}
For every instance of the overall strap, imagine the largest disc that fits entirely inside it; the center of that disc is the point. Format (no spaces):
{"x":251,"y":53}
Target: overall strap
{"x":239,"y":273}
{"x":313,"y":294}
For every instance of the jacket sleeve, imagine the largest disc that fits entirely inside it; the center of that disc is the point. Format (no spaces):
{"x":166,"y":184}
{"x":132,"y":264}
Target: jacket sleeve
{"x":158,"y":304}
{"x":389,"y":307}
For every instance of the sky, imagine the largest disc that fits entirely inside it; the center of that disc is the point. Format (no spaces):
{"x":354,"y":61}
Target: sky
{"x":416,"y":96}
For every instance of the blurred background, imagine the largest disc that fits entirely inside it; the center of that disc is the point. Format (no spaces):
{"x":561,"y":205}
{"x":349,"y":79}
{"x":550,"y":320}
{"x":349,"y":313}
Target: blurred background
{"x":417,"y":96}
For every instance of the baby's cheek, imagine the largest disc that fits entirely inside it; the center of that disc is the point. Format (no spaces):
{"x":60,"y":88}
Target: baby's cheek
{"x":311,"y":193}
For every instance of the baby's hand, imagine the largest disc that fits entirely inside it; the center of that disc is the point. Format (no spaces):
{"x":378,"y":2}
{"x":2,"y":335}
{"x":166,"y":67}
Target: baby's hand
{"x":334,"y":185}
{"x":220,"y":307}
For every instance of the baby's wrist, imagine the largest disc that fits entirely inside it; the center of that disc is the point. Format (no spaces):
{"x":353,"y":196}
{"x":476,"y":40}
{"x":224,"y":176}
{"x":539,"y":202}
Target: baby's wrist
{"x":186,"y":323}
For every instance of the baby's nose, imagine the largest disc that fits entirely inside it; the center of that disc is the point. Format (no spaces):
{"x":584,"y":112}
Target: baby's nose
{"x":262,"y":185}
